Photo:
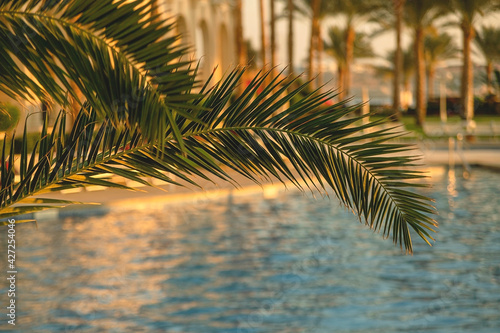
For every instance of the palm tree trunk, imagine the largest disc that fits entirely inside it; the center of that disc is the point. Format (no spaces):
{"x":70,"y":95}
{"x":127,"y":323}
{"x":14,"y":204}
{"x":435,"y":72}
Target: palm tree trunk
{"x":75,"y":101}
{"x":262,"y":36}
{"x":319,"y":56}
{"x":240,"y":45}
{"x":430,"y":81}
{"x":340,"y":81}
{"x":349,"y":55}
{"x":290,"y":36}
{"x":398,"y":63}
{"x":489,"y":77}
{"x":467,"y":93}
{"x":420,"y":71}
{"x":240,"y":54}
{"x":313,"y":42}
{"x":272,"y":24}
{"x":154,"y":8}
{"x":407,"y":91}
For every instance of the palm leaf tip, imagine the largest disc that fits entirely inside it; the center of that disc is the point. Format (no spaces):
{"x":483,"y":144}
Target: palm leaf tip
{"x":6,"y":222}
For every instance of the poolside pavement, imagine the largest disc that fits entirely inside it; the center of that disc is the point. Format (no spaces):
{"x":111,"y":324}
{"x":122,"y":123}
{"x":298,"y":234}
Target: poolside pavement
{"x":479,"y":154}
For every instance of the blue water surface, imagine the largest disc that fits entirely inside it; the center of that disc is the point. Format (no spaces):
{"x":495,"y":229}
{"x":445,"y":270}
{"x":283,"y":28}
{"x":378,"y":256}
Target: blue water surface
{"x":286,"y":262}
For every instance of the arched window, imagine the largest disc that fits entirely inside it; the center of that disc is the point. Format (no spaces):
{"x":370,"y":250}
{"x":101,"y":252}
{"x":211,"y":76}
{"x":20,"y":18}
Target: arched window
{"x":181,"y":29}
{"x":224,"y":51}
{"x":203,"y":48}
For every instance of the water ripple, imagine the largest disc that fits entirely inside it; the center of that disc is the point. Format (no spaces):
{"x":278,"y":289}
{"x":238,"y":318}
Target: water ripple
{"x":290,"y":263}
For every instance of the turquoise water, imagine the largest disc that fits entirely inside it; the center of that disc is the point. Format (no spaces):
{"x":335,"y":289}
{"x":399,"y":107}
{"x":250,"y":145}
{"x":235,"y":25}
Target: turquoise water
{"x":286,"y":263}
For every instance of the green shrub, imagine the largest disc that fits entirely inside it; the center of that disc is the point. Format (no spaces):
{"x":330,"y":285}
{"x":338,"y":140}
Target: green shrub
{"x":9,"y":117}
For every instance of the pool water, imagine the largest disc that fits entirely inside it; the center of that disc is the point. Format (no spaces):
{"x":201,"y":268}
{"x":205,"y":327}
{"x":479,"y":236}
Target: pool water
{"x":277,"y":263}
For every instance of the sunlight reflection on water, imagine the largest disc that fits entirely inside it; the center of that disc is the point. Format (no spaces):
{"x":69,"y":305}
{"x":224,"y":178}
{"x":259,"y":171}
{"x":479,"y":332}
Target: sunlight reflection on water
{"x":277,"y":263}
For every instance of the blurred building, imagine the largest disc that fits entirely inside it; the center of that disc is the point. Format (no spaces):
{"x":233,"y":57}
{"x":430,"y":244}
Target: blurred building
{"x":208,"y":26}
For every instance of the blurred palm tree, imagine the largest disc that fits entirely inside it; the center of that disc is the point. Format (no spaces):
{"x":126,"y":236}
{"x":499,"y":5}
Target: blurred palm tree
{"x":239,"y":41}
{"x":272,"y":25}
{"x":354,"y":12}
{"x":488,"y":42}
{"x":468,"y":12}
{"x":240,"y":47}
{"x":398,"y":6}
{"x":141,"y":120}
{"x":420,"y":16}
{"x":316,"y":11}
{"x":407,"y":70}
{"x":335,"y":47}
{"x":496,"y":82}
{"x":389,"y":15}
{"x":437,"y":48}
{"x":251,"y":55}
{"x":263,"y":44}
{"x":315,"y":41}
{"x":291,"y":10}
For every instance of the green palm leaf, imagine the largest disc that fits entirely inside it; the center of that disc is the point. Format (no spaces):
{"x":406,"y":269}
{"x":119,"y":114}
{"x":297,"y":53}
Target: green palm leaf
{"x":112,"y":50}
{"x":140,"y":120}
{"x":321,"y":145}
{"x":321,"y":141}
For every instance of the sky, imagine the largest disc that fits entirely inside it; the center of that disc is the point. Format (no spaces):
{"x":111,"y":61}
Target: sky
{"x":382,"y":44}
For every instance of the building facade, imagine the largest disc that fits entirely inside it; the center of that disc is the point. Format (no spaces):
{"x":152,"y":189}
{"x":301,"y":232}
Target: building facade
{"x":207,"y":26}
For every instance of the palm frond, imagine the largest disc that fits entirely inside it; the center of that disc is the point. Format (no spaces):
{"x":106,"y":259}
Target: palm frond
{"x":140,"y":120}
{"x":258,"y":135}
{"x":114,"y":52}
{"x":365,"y":171}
